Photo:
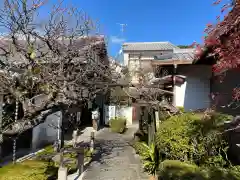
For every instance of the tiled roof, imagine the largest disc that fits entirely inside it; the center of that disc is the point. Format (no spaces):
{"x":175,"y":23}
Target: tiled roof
{"x":80,"y":44}
{"x":148,"y":46}
{"x":184,"y":54}
{"x":178,"y":54}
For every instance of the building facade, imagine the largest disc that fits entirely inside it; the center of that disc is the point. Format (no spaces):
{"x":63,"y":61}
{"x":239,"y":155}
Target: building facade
{"x":170,"y":68}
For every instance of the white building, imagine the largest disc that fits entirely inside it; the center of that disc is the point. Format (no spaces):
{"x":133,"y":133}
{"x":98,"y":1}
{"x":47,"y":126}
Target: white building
{"x":163,"y":61}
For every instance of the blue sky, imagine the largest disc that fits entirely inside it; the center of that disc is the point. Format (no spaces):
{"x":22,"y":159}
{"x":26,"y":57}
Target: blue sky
{"x":177,"y":21}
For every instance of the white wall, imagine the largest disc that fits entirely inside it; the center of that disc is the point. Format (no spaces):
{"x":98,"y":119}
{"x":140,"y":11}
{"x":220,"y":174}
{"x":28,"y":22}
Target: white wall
{"x":194,"y":93}
{"x":46,"y":132}
{"x":126,"y":112}
{"x":180,"y":94}
{"x":125,"y":59}
{"x":118,"y":111}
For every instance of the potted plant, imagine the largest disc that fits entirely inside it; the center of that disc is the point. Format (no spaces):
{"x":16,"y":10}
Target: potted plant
{"x":150,"y":159}
{"x":118,"y":124}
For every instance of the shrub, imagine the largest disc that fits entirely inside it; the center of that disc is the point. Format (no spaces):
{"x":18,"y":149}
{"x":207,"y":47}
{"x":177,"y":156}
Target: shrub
{"x":181,"y":109}
{"x":188,"y":137}
{"x":29,"y":170}
{"x":118,"y":124}
{"x":174,"y":169}
{"x":139,"y":148}
{"x":149,"y":157}
{"x":215,"y":173}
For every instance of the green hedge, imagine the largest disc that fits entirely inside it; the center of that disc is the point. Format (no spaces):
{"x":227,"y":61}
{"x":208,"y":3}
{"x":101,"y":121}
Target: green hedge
{"x":118,"y":124}
{"x":177,"y":170}
{"x":189,"y":137}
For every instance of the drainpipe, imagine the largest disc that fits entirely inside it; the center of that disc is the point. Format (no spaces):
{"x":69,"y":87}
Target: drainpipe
{"x":1,"y":121}
{"x":174,"y":84}
{"x":15,"y":138}
{"x":59,"y":130}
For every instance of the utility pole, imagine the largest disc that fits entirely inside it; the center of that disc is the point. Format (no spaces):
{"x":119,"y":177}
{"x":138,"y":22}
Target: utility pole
{"x":122,"y":25}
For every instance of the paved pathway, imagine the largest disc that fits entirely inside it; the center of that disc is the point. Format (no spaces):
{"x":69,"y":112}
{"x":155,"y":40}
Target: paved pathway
{"x":115,"y":159}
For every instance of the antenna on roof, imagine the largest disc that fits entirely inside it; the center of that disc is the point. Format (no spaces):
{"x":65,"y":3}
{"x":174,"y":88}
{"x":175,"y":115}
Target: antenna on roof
{"x":122,"y":28}
{"x":118,"y":55}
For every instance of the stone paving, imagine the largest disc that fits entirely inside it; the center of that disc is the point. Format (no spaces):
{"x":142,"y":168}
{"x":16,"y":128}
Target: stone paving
{"x":115,"y":159}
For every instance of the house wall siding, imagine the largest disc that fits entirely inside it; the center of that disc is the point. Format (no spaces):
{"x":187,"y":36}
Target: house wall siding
{"x":197,"y":94}
{"x":194,"y":93}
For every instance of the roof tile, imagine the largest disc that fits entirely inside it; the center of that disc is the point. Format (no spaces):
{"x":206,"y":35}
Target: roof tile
{"x":148,"y":46}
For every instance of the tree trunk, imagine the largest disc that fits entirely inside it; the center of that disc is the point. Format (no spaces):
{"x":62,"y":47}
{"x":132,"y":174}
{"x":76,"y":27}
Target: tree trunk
{"x":153,"y":177}
{"x":141,"y":116}
{"x":151,"y":126}
{"x":62,"y":137}
{"x":95,"y":124}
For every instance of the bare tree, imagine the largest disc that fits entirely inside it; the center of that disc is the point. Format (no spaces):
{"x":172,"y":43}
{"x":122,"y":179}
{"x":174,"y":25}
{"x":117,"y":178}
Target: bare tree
{"x":58,"y":57}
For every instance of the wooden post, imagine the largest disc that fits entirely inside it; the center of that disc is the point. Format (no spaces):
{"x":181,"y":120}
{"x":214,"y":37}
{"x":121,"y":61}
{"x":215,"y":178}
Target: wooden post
{"x":141,"y":113}
{"x":61,"y":158}
{"x":74,"y":138}
{"x":145,"y":116}
{"x":62,"y":173}
{"x":92,"y":142}
{"x":62,"y":170}
{"x":80,"y":160}
{"x":151,"y":126}
{"x":174,"y":84}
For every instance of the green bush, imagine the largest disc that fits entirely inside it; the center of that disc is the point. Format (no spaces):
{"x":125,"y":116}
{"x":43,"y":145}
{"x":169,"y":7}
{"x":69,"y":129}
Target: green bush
{"x":118,"y":124}
{"x":181,"y":109}
{"x":177,"y":170}
{"x":139,"y":148}
{"x":189,"y":137}
{"x":150,"y":158}
{"x":29,"y":170}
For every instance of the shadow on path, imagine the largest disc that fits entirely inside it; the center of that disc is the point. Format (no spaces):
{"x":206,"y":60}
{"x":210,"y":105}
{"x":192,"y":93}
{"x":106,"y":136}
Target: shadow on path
{"x":114,"y":159}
